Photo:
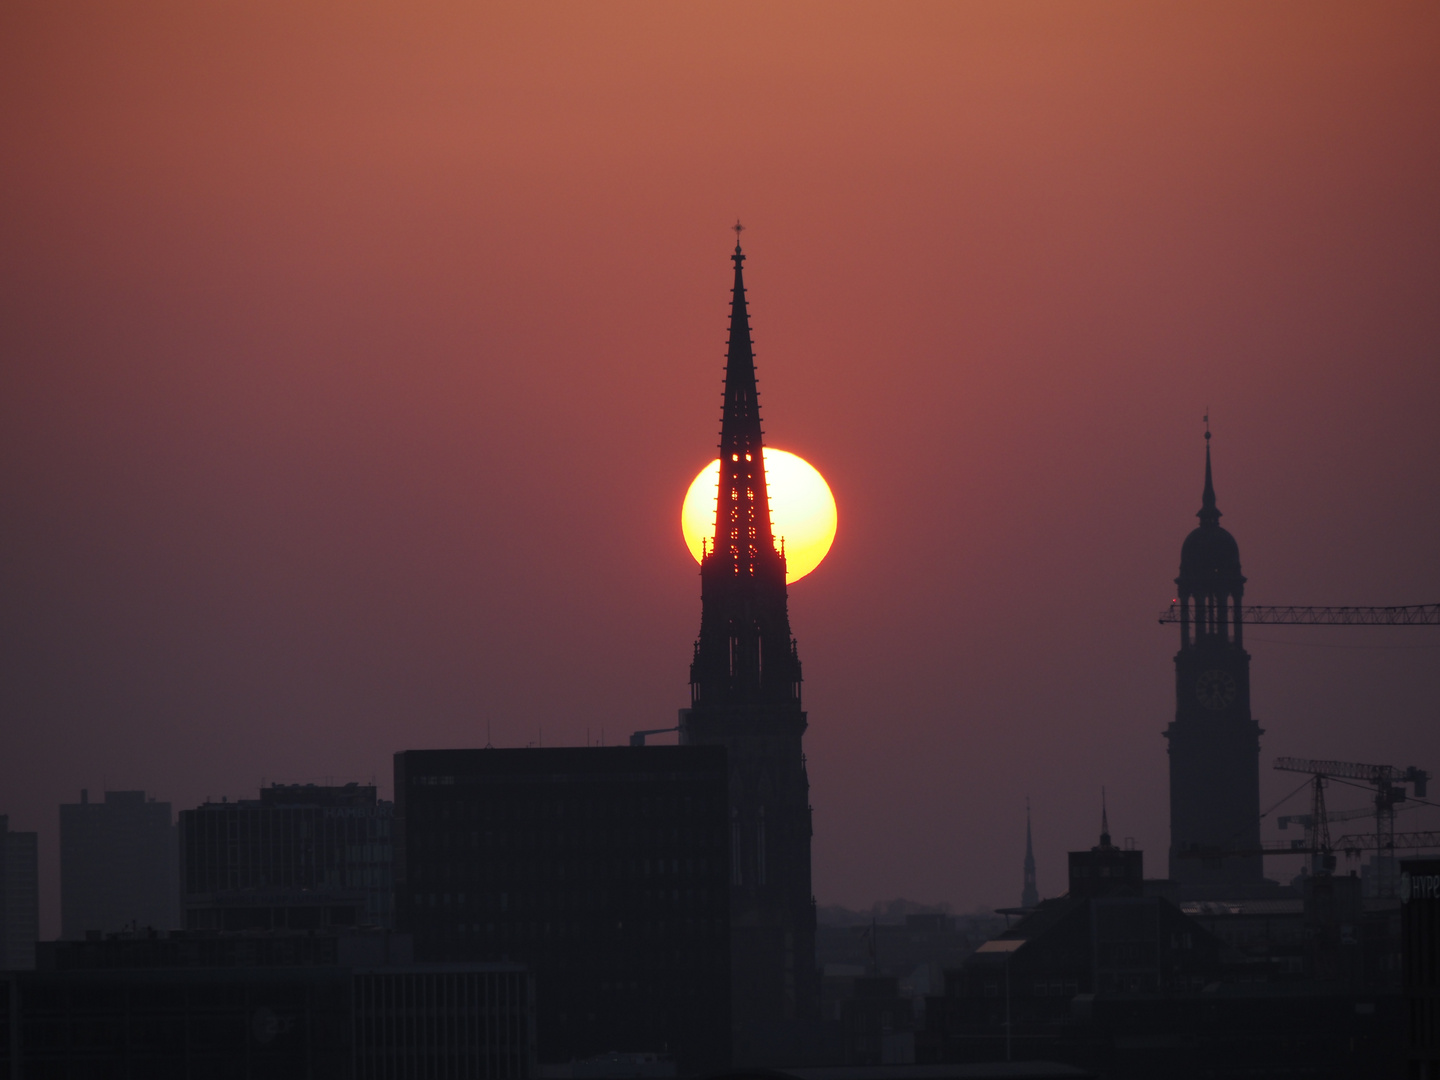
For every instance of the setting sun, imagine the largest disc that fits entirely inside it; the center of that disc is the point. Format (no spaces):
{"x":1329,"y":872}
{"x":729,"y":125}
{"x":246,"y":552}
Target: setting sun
{"x":802,"y":510}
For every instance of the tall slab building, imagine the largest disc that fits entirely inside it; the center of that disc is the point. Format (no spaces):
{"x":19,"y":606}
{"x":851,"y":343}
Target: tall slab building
{"x":745,"y":695}
{"x":118,"y":865}
{"x":19,"y":897}
{"x":1214,"y":742}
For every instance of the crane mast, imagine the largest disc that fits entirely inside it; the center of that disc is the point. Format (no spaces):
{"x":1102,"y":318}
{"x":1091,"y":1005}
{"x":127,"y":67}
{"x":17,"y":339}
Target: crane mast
{"x":1389,"y":783}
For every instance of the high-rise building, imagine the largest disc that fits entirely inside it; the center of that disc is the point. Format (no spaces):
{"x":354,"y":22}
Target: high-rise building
{"x":19,"y":897}
{"x":604,"y":870}
{"x":1029,"y":894}
{"x":300,"y":857}
{"x":1214,"y":742}
{"x":745,"y":696}
{"x":118,"y":865}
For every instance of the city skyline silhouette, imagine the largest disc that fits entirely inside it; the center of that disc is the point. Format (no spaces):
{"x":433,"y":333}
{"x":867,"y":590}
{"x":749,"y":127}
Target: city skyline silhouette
{"x":356,"y":369}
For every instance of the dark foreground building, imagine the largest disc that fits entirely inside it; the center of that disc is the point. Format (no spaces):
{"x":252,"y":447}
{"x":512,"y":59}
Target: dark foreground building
{"x":300,"y":857}
{"x":604,"y":870}
{"x":19,"y":897}
{"x":745,"y":696}
{"x":118,"y":865}
{"x":1420,"y":954}
{"x":209,"y":1006}
{"x":1116,"y":978}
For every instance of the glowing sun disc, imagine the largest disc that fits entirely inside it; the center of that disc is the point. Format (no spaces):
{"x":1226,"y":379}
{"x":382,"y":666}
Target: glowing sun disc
{"x":802,"y":510}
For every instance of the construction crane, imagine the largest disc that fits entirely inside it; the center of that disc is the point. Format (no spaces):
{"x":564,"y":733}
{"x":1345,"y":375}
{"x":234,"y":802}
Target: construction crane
{"x":1297,"y":615}
{"x":1389,"y":783}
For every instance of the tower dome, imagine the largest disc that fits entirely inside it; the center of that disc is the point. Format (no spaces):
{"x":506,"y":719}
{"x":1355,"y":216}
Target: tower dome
{"x":1209,"y":557}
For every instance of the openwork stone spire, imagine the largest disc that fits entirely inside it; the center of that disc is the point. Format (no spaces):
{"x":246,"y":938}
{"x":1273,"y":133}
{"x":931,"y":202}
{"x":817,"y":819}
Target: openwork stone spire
{"x":743,"y":536}
{"x":745,"y":655}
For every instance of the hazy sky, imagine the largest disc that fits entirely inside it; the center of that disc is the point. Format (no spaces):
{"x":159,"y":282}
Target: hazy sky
{"x":356,"y":360}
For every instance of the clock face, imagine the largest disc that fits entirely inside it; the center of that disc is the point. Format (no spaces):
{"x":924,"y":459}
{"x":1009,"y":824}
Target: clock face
{"x":1215,"y":690}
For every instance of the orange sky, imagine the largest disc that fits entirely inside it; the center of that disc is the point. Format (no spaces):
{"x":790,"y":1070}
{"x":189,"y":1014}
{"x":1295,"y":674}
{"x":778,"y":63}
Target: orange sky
{"x":356,"y":360}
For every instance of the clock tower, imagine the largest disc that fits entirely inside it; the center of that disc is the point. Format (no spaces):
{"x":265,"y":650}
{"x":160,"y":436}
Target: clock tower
{"x":1214,"y":742}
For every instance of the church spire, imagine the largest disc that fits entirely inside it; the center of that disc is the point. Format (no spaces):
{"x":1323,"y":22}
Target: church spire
{"x":1208,"y":514}
{"x":1104,"y":821}
{"x":1029,"y":895}
{"x":745,"y":655}
{"x":743,"y":535}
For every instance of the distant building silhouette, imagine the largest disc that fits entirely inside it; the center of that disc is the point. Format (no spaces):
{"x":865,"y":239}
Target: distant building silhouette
{"x":1030,"y":894}
{"x":1214,"y":742}
{"x":301,"y":856}
{"x":745,"y":696}
{"x":604,"y":869}
{"x":118,"y":865}
{"x":19,"y":897}
{"x":1105,"y":936}
{"x":1106,"y":870}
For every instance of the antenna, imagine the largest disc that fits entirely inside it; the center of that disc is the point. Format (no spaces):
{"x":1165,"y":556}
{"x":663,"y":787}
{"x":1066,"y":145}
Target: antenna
{"x":488,"y":744}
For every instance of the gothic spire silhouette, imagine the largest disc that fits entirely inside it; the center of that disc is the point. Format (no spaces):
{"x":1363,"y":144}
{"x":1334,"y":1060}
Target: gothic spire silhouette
{"x":745,"y":696}
{"x":1029,"y":895}
{"x":742,"y":523}
{"x":745,"y":655}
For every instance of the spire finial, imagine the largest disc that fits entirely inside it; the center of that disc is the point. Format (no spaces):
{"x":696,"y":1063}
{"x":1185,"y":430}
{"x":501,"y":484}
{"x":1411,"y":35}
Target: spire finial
{"x":737,"y":229}
{"x":1208,"y":513}
{"x":1104,"y":821}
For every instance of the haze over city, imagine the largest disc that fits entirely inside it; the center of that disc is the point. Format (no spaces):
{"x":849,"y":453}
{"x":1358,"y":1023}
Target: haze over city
{"x":357,"y":362}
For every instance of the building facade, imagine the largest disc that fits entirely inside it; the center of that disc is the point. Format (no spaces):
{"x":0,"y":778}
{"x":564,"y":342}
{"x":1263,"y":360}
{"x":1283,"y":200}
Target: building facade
{"x":745,"y":682}
{"x":301,"y":856}
{"x":1214,"y":742}
{"x":19,"y":897}
{"x":1420,"y":958}
{"x":206,"y":1004}
{"x":118,"y":865}
{"x":605,"y":870}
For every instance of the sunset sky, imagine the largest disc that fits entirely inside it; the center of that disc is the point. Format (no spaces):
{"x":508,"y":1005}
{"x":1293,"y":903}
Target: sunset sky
{"x":357,"y":358}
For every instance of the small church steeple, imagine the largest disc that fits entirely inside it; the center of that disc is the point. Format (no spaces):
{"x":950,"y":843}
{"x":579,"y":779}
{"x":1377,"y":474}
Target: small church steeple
{"x":1029,"y":895}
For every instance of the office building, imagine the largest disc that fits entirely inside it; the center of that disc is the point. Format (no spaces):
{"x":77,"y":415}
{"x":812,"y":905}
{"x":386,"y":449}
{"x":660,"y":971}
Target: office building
{"x":207,"y":1004}
{"x":19,"y":897}
{"x":118,"y":865}
{"x":604,"y":870}
{"x":301,"y":856}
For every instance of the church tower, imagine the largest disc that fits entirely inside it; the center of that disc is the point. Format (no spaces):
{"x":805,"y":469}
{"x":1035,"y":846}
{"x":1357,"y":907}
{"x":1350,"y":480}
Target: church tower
{"x":1214,"y":743}
{"x":745,"y":696}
